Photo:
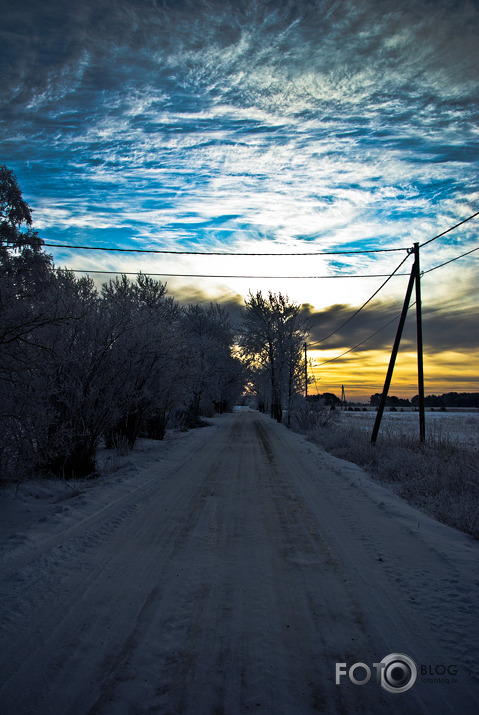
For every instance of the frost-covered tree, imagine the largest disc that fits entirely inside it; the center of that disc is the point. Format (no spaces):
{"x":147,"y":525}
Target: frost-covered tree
{"x":213,"y":374}
{"x":77,"y":365}
{"x":31,"y":302}
{"x":78,"y":382}
{"x":14,"y":211}
{"x":271,"y":340}
{"x":149,"y":352}
{"x":26,"y":272}
{"x":42,"y":324}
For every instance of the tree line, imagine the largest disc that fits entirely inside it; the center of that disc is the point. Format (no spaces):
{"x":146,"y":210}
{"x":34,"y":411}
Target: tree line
{"x":448,"y":399}
{"x":79,"y":364}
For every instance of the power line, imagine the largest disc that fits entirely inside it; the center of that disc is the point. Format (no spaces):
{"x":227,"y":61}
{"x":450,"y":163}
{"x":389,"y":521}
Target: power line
{"x":391,"y":321}
{"x":232,"y":253}
{"x":337,"y":357}
{"x":364,"y":304}
{"x":207,"y":275}
{"x":220,"y":253}
{"x":451,"y":261}
{"x":318,"y":342}
{"x":342,"y":275}
{"x":363,"y":341}
{"x":449,"y":229}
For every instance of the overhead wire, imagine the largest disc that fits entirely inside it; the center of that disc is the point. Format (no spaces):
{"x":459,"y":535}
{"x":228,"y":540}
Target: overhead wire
{"x":365,"y":303}
{"x":312,"y":345}
{"x":365,"y":340}
{"x":388,"y":276}
{"x":449,"y":229}
{"x":451,"y":261}
{"x":456,"y":258}
{"x":223,"y":253}
{"x":247,"y":253}
{"x":208,"y":275}
{"x":350,"y":350}
{"x":337,"y":357}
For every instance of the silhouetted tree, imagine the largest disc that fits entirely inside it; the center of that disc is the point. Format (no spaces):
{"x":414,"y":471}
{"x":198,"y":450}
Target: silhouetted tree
{"x":14,"y":211}
{"x":271,"y":340}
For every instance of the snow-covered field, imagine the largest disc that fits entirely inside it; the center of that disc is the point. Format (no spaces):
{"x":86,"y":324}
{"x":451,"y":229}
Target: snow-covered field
{"x":462,"y":427}
{"x":227,"y":570}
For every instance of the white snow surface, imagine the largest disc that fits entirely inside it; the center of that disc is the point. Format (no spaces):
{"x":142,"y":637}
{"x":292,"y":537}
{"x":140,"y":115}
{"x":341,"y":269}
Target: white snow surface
{"x":227,"y":570}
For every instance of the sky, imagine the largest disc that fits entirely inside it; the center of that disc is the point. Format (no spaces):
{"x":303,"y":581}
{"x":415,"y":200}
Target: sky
{"x":262,"y":128}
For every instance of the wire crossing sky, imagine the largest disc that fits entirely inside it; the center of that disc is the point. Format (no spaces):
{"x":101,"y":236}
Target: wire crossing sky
{"x":257,"y":127}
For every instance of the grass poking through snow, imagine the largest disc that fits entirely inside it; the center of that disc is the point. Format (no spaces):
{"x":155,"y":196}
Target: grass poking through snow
{"x":440,"y":476}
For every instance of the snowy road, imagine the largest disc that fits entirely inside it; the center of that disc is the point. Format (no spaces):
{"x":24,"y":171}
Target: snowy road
{"x":229,"y":576}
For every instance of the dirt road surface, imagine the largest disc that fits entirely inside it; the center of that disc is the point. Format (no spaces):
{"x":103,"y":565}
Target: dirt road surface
{"x":231,"y":579}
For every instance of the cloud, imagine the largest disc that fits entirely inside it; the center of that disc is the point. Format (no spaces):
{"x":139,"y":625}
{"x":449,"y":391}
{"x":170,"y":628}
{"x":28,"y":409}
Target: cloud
{"x":443,"y":327}
{"x":290,"y":57}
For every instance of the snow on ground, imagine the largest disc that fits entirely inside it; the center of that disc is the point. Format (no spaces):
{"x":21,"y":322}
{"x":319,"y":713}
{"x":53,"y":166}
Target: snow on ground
{"x":228,"y":570}
{"x":458,"y":426}
{"x":38,"y":511}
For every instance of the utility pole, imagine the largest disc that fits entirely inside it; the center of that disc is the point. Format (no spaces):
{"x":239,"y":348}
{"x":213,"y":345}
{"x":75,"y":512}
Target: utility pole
{"x":420,"y":368}
{"x":343,"y":398}
{"x":305,"y":371}
{"x":394,"y":353}
{"x":415,"y":278}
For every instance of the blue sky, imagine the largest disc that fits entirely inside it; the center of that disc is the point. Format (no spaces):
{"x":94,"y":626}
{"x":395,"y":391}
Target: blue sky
{"x":274,"y":127}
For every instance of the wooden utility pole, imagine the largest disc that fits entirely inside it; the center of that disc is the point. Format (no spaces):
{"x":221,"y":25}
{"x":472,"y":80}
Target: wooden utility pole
{"x":343,"y":398}
{"x":420,"y":368}
{"x":414,"y":278}
{"x":305,"y":370}
{"x":394,"y":353}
